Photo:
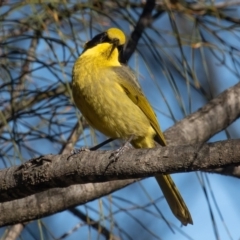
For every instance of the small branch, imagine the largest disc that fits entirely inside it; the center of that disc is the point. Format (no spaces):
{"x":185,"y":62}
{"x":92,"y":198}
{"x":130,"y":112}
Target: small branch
{"x":94,"y":224}
{"x":51,"y":171}
{"x":27,"y":103}
{"x":13,"y":232}
{"x":144,"y":21}
{"x":199,"y":8}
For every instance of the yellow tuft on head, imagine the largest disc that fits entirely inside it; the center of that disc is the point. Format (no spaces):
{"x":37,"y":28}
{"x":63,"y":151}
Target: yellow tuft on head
{"x":115,"y":33}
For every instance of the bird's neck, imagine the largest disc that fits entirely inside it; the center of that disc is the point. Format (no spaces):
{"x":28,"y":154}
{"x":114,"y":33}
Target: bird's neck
{"x":102,"y":55}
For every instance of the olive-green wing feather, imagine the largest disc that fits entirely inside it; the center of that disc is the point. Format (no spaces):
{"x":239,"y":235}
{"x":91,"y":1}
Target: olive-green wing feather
{"x":129,"y":83}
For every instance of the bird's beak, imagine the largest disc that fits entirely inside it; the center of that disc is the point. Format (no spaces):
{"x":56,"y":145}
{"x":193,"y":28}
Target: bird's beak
{"x":115,"y":44}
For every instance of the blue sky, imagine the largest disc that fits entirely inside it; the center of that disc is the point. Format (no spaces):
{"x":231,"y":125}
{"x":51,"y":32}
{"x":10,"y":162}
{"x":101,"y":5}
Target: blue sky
{"x":172,"y":98}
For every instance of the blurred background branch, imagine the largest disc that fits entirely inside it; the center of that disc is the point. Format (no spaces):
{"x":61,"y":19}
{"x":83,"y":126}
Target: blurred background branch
{"x":184,"y":53}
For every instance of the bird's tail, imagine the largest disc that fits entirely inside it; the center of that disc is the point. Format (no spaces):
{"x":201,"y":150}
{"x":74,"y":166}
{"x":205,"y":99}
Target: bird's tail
{"x":174,"y":199}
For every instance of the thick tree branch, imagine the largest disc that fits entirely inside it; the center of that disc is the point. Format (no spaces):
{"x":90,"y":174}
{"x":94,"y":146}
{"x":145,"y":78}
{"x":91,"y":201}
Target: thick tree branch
{"x":52,"y":171}
{"x":218,"y":113}
{"x":214,"y":117}
{"x":55,"y":200}
{"x":227,"y":171}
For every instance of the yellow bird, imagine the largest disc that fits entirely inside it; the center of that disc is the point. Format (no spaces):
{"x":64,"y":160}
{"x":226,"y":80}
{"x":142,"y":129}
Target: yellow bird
{"x":108,"y":95}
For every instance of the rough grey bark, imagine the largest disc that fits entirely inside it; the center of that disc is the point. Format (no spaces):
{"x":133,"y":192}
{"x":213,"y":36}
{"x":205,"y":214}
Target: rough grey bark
{"x":53,"y":171}
{"x":54,"y":200}
{"x":214,"y":116}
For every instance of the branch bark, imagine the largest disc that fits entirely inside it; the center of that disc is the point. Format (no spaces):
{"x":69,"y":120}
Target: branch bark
{"x":55,"y":200}
{"x":214,"y":117}
{"x":52,"y":171}
{"x":197,"y":127}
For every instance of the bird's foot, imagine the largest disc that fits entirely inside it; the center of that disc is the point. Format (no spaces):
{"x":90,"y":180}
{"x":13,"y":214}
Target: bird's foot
{"x":117,"y":153}
{"x":77,"y":151}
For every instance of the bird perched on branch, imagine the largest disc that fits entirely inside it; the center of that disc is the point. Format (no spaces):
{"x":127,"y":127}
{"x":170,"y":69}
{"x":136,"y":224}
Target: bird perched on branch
{"x":108,"y":95}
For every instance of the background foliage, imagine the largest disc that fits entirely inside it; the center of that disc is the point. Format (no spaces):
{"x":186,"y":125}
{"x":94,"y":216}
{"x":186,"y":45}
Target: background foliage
{"x":184,"y":54}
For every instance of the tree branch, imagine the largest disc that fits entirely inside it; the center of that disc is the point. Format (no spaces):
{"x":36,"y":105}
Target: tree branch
{"x":52,"y":171}
{"x":144,"y":21}
{"x":28,"y":102}
{"x":55,"y":200}
{"x":215,"y":116}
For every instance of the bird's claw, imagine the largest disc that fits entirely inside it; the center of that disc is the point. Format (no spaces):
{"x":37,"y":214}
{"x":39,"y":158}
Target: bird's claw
{"x":77,"y":151}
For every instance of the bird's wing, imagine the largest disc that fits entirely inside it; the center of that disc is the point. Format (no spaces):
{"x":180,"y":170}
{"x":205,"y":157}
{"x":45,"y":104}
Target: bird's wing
{"x":130,"y":85}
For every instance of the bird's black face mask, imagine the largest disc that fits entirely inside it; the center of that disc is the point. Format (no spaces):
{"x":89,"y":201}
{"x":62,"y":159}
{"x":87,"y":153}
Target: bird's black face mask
{"x":103,"y":38}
